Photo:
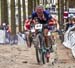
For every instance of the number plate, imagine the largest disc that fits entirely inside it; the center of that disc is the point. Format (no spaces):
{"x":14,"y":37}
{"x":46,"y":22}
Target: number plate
{"x":38,"y":26}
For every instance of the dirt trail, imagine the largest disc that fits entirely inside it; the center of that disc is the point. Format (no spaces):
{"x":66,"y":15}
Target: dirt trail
{"x":23,"y":57}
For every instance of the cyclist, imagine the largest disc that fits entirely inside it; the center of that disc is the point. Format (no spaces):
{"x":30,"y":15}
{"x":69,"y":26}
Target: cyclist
{"x":27,"y":30}
{"x":44,"y":18}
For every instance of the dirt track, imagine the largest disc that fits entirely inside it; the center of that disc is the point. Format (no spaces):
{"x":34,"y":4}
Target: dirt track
{"x":23,"y":57}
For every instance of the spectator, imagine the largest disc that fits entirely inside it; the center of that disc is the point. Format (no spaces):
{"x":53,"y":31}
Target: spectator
{"x":71,"y":22}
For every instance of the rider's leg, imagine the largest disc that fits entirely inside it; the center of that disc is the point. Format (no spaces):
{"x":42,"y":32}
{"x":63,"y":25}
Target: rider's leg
{"x":28,"y":39}
{"x":46,"y":37}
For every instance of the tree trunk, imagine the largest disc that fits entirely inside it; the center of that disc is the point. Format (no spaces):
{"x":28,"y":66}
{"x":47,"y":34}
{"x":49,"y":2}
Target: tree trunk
{"x":61,"y":13}
{"x":38,"y":2}
{"x":66,"y":5}
{"x":30,"y":7}
{"x":43,"y":2}
{"x":4,"y":11}
{"x":24,"y":12}
{"x":71,"y":3}
{"x":19,"y":15}
{"x":34,"y":4}
{"x":0,"y":12}
{"x":13,"y":24}
{"x":60,"y":17}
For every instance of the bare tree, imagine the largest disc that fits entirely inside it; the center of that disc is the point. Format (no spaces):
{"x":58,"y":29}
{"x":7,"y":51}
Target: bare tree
{"x":0,"y":11}
{"x":71,"y":3}
{"x":66,"y":5}
{"x":34,"y":2}
{"x":13,"y":24}
{"x":24,"y":12}
{"x":19,"y":15}
{"x":30,"y":6}
{"x":4,"y":11}
{"x":38,"y":2}
{"x":60,"y":16}
{"x":61,"y":13}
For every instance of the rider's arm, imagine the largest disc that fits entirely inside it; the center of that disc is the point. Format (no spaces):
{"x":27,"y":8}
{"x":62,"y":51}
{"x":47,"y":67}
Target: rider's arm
{"x":56,"y":22}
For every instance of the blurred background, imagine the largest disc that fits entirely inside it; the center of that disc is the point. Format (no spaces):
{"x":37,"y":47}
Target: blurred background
{"x":14,"y":12}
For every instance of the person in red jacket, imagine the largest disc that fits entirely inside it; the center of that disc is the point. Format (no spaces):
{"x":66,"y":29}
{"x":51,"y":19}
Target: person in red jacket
{"x":27,"y":30}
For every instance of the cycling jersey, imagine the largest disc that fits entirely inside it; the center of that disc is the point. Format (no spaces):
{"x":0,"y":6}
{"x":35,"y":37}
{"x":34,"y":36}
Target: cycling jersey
{"x":46,"y":14}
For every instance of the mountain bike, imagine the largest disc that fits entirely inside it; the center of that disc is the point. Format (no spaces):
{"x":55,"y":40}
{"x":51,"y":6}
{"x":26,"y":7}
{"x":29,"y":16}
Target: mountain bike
{"x":39,"y":43}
